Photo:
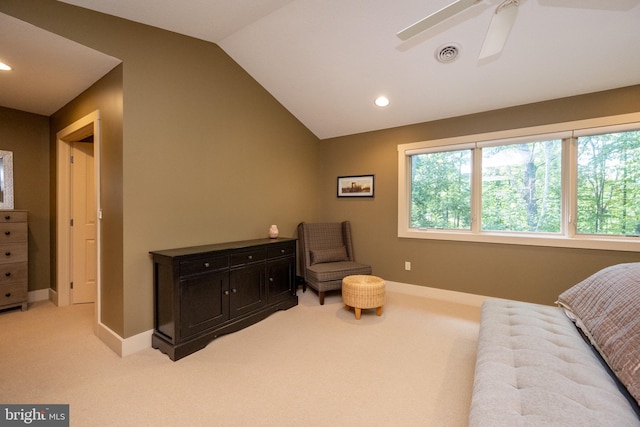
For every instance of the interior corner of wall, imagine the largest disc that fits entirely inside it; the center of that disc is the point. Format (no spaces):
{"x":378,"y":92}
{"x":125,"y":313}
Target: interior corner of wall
{"x":123,"y":347}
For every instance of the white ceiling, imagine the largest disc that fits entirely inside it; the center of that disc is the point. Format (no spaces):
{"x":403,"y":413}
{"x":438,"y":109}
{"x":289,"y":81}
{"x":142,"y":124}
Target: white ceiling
{"x":326,"y":60}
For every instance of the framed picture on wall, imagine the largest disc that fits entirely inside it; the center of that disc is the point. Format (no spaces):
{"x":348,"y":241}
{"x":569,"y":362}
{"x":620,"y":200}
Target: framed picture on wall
{"x":356,"y":186}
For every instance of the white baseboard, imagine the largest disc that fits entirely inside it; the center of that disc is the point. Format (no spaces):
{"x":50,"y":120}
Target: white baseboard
{"x":124,"y":347}
{"x":435,"y":293}
{"x":39,"y":295}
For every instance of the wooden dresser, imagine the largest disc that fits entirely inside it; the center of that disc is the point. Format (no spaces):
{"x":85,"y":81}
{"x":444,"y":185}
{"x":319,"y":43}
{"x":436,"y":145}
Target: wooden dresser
{"x":203,"y":292}
{"x":14,"y":265}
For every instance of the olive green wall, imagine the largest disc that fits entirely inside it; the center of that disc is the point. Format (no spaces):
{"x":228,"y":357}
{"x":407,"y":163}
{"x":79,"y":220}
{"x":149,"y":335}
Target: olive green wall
{"x":536,"y":274}
{"x":207,"y":154}
{"x":104,"y":96}
{"x":27,"y":135}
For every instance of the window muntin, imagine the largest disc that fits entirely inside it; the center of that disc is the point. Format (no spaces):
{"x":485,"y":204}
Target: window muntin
{"x":521,"y":187}
{"x":441,"y":190}
{"x":608,"y":184}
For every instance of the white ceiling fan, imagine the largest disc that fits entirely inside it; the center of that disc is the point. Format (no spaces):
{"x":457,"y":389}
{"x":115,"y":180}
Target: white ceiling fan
{"x":501,"y":23}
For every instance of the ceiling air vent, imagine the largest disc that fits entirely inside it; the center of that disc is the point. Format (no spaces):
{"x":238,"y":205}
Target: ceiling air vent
{"x":448,"y":52}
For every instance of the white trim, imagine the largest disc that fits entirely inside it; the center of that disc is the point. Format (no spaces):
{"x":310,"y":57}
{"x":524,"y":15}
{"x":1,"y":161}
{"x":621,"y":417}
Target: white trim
{"x":124,"y":347}
{"x":38,"y":295}
{"x":436,"y":293}
{"x":567,"y":238}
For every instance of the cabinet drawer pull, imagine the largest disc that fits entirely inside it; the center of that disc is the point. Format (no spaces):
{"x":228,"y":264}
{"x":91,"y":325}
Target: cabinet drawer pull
{"x":271,"y":279}
{"x":226,"y":292}
{"x":7,"y":217}
{"x":282,"y":251}
{"x":8,"y":274}
{"x":7,"y":253}
{"x":234,"y":290}
{"x":8,"y":294}
{"x":206,"y":265}
{"x":250,"y":257}
{"x":7,"y":233}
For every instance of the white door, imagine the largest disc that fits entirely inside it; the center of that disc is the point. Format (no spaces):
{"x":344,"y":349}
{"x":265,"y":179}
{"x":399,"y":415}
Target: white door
{"x":83,"y":230}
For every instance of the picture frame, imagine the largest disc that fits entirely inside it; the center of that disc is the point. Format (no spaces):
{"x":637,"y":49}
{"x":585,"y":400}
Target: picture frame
{"x":356,"y":186}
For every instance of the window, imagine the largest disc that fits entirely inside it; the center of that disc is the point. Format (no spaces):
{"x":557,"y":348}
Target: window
{"x":569,"y":185}
{"x":609,"y":184}
{"x":521,"y":187}
{"x":441,"y":190}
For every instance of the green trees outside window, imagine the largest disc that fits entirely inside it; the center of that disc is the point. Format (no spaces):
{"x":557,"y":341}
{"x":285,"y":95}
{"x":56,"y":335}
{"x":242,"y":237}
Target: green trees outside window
{"x":441,"y":190}
{"x":520,"y":186}
{"x":609,"y":184}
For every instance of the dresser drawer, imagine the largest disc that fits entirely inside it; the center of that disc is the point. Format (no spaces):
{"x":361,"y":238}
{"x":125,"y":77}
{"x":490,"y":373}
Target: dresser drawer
{"x":202,"y":265}
{"x":13,"y":216}
{"x":13,"y":272}
{"x":12,"y":294}
{"x":13,"y":232}
{"x":13,"y":252}
{"x":247,"y":257}
{"x":279,"y":251}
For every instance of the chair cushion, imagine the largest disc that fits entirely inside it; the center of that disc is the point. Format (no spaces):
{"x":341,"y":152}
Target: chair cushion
{"x":327,"y":271}
{"x":329,"y":255}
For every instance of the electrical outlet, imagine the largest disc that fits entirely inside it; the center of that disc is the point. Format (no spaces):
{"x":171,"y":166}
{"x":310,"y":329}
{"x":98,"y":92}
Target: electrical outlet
{"x":407,"y":265}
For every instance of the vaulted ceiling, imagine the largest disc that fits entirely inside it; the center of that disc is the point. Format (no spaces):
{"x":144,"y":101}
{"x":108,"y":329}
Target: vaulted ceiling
{"x":327,"y":60}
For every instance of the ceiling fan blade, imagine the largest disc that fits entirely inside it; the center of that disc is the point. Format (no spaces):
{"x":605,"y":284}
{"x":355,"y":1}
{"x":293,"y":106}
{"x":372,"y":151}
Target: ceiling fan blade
{"x":435,"y":18}
{"x":499,"y":29}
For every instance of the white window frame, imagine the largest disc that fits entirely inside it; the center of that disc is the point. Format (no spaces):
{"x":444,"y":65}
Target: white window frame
{"x":567,"y":237}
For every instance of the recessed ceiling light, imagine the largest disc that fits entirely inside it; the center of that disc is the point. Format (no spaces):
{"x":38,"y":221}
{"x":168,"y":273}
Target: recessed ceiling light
{"x":4,"y":67}
{"x":382,"y":101}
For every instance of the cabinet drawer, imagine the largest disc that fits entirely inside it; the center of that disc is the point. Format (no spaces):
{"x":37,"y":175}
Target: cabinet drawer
{"x":247,"y":257}
{"x":13,"y":216}
{"x":14,"y":293}
{"x":203,"y":265}
{"x":13,"y":272}
{"x":13,"y":232}
{"x":279,"y":251}
{"x":13,"y":252}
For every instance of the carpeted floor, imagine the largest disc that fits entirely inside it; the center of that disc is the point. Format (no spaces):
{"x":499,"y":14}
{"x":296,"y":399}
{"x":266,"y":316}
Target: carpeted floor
{"x":309,"y":366}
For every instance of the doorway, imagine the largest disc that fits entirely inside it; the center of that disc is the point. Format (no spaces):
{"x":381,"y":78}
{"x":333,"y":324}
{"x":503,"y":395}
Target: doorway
{"x":78,"y":214}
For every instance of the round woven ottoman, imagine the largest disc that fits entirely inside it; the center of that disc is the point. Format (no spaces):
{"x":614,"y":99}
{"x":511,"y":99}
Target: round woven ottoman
{"x":363,"y":291}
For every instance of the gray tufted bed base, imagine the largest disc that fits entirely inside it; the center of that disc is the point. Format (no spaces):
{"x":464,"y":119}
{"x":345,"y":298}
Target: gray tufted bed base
{"x":534,"y":368}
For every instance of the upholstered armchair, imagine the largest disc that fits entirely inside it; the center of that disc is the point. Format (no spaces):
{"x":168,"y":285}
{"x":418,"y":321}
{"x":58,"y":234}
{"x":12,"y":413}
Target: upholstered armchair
{"x":326,"y":255}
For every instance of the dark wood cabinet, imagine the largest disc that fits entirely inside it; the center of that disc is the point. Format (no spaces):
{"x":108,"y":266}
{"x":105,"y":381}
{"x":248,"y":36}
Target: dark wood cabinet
{"x":203,"y":292}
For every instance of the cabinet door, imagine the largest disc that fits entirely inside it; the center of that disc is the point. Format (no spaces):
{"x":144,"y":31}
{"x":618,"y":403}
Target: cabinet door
{"x":247,"y":289}
{"x":280,"y":278}
{"x":204,"y":302}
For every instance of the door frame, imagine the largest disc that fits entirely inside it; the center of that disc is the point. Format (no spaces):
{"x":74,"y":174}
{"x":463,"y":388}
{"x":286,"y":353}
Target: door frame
{"x":86,"y":126}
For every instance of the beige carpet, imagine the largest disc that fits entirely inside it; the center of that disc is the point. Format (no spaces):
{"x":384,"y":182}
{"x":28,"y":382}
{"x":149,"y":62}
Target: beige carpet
{"x":309,"y":366}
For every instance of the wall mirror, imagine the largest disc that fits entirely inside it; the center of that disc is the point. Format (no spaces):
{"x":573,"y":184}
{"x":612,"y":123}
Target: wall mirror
{"x":6,"y":179}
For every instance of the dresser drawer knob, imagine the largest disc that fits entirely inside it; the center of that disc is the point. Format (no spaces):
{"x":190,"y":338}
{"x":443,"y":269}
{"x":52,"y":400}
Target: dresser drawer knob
{"x":7,"y":253}
{"x":7,"y":217}
{"x":250,"y":257}
{"x":8,"y":294}
{"x":8,"y":274}
{"x":282,"y":251}
{"x":206,"y":265}
{"x":226,"y":293}
{"x":7,"y":233}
